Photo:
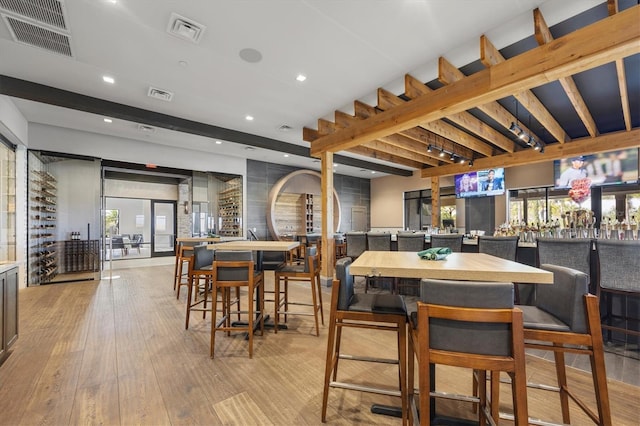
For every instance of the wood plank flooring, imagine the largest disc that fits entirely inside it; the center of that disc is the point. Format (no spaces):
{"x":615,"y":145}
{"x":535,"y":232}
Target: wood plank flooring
{"x":116,"y":353}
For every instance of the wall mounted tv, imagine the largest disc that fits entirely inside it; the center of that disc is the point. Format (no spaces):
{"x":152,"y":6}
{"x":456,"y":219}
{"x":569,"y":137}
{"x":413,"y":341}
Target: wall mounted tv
{"x":480,"y":184}
{"x":606,"y":168}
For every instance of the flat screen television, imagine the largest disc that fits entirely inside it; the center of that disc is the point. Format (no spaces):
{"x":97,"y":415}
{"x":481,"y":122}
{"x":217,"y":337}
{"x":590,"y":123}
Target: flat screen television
{"x":605,"y":168}
{"x":482,"y":183}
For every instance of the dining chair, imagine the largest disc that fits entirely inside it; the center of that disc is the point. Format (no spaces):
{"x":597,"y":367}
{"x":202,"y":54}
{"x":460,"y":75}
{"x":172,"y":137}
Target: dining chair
{"x":309,"y":272}
{"x":452,"y":241}
{"x":409,"y":241}
{"x":468,"y":324}
{"x":377,"y":241}
{"x":379,"y":312}
{"x":566,"y":319}
{"x":619,"y":274}
{"x":235,"y":270}
{"x":356,"y":243}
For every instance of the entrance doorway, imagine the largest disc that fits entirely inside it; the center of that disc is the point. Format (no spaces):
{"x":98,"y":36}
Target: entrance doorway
{"x":163,"y":228}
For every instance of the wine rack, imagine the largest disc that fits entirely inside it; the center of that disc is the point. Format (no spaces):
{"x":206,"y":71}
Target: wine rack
{"x":43,"y":247}
{"x":230,"y":208}
{"x":81,"y":256}
{"x":308,"y":212}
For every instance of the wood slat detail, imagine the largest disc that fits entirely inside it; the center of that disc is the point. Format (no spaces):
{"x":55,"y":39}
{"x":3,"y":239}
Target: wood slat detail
{"x":415,"y":88}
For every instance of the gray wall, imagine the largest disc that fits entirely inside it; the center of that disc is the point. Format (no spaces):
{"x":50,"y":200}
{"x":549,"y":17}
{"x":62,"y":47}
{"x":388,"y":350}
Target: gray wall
{"x":261,"y":177}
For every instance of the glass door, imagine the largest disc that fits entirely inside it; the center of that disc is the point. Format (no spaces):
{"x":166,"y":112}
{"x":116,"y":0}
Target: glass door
{"x":163,"y":228}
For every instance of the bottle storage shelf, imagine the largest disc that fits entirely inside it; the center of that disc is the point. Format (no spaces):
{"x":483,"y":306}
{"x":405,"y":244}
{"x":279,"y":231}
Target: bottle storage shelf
{"x":43,"y":247}
{"x":230,"y":210}
{"x":81,"y":256}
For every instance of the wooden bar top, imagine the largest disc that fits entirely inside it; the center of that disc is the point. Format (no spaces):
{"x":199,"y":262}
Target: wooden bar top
{"x":457,"y":266}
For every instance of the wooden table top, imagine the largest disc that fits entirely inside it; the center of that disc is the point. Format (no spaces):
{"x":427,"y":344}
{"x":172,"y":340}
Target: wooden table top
{"x":457,"y":266}
{"x":256,"y":245}
{"x":197,"y":239}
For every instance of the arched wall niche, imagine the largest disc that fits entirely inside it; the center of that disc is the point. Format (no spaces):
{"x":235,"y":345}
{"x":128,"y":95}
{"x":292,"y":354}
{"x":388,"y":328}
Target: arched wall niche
{"x":295,"y":205}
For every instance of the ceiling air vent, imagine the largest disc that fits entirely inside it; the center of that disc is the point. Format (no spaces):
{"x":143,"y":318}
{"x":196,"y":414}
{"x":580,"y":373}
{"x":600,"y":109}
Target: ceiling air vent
{"x":163,"y":95}
{"x":146,"y":129}
{"x":49,"y":12}
{"x":34,"y":35}
{"x":184,"y":28}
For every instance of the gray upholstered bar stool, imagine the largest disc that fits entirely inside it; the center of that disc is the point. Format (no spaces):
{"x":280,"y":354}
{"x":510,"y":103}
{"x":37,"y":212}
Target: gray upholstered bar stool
{"x":200,"y":273}
{"x":566,"y":319}
{"x":619,"y":274}
{"x":574,"y":253}
{"x":379,"y":312}
{"x":452,"y":241}
{"x":377,"y":241}
{"x":468,"y":324}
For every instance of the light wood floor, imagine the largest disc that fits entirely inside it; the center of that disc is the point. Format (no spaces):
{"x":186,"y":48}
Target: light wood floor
{"x":117,"y":353}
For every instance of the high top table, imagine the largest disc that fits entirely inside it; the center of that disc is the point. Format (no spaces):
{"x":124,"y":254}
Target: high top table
{"x":457,"y":266}
{"x":259,"y":247}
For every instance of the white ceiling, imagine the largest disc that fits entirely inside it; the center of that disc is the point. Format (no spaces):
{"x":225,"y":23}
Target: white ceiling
{"x":346,"y":48}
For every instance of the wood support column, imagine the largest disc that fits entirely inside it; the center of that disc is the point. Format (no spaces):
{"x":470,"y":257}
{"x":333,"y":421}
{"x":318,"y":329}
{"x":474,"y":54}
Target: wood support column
{"x":328,"y":247}
{"x":435,"y":201}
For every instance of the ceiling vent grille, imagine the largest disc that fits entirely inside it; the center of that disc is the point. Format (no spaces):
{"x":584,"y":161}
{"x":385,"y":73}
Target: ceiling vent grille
{"x":184,"y":28}
{"x":146,"y":129}
{"x":49,"y":12}
{"x":34,"y":35}
{"x":163,"y":95}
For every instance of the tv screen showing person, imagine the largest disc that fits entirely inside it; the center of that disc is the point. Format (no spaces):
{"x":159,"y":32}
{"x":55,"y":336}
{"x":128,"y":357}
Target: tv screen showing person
{"x":576,"y":170}
{"x":466,"y":184}
{"x":604,"y":168}
{"x":493,"y":181}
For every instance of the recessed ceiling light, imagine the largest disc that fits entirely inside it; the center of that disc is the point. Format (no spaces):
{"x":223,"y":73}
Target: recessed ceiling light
{"x":249,"y":118}
{"x":286,"y":155}
{"x":218,"y":142}
{"x":113,"y":1}
{"x":249,"y":148}
{"x":108,"y":120}
{"x":108,"y":79}
{"x":183,"y":63}
{"x":301,"y":77}
{"x":373,"y":172}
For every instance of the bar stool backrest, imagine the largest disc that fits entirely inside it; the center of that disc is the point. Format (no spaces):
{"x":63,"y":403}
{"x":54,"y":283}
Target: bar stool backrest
{"x":356,"y":243}
{"x":572,"y":253}
{"x":504,"y":247}
{"x":469,"y":337}
{"x":202,"y":257}
{"x":410,"y":241}
{"x":452,"y":241}
{"x":619,"y":265}
{"x":379,"y":241}
{"x":233,"y":273}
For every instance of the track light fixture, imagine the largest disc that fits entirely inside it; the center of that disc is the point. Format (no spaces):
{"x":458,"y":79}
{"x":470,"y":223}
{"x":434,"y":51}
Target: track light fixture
{"x":471,"y":163}
{"x":429,"y":148}
{"x":453,"y":156}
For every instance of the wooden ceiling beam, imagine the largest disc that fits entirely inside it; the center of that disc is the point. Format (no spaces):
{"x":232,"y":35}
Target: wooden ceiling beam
{"x":415,"y":88}
{"x":544,"y":36}
{"x":622,"y":79}
{"x":490,"y":56}
{"x":414,"y":137}
{"x":387,"y":100}
{"x":393,"y":144}
{"x":448,"y":74}
{"x":605,"y":41}
{"x":379,"y":155}
{"x":588,"y":145}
